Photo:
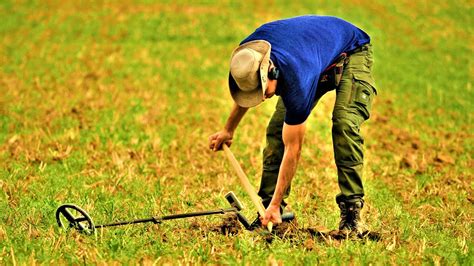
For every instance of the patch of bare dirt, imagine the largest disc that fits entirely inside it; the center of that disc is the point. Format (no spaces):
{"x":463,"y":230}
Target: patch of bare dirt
{"x":413,"y":153}
{"x":230,"y":226}
{"x":308,"y":236}
{"x":291,"y":232}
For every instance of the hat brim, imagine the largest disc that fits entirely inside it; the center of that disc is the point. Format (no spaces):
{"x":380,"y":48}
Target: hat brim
{"x":254,"y":97}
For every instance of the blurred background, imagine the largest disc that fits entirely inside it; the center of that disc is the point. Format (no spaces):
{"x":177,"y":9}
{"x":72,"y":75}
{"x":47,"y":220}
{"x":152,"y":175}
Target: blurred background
{"x":109,"y":104}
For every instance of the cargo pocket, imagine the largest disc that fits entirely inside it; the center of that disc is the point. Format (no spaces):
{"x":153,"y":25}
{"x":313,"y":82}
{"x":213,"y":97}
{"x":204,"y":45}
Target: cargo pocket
{"x":364,"y":92}
{"x":365,"y":77}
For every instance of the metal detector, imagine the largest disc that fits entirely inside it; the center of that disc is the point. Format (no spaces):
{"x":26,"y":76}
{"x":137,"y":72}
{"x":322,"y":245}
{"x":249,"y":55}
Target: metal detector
{"x":70,"y":216}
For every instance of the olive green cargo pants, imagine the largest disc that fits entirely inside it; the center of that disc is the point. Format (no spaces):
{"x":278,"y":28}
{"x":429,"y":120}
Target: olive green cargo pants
{"x":354,"y":97}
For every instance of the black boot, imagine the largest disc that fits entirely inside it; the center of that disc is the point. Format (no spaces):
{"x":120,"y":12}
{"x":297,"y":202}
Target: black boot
{"x":350,"y":216}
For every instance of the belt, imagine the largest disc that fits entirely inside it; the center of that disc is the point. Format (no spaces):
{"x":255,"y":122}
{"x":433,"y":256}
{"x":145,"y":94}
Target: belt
{"x":359,"y":49}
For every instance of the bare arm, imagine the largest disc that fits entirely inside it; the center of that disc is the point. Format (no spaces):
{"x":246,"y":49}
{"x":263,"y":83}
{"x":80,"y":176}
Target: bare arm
{"x":234,"y":118}
{"x":293,"y":139}
{"x":225,"y":136}
{"x":293,"y":136}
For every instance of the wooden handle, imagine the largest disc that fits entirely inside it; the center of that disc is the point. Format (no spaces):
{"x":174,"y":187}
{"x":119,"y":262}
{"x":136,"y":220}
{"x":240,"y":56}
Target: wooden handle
{"x":245,"y":182}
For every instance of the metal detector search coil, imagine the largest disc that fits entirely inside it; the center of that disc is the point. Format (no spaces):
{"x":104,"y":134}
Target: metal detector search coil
{"x":83,"y":223}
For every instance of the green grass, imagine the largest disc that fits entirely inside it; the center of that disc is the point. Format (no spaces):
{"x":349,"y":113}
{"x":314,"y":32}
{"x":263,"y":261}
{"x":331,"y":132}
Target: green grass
{"x":109,"y":104}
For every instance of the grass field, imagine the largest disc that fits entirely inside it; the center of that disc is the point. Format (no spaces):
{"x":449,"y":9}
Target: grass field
{"x":109,"y":104}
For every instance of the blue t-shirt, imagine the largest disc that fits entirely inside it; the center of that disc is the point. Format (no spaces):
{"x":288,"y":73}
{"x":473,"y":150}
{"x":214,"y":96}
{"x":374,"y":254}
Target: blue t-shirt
{"x":302,"y":47}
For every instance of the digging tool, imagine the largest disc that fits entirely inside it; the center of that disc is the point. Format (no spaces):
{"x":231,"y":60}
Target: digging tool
{"x":72,"y":216}
{"x":245,"y":182}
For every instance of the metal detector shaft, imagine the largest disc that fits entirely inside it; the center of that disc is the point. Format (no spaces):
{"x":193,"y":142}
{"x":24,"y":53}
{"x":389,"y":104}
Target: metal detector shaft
{"x":157,"y":220}
{"x":147,"y":220}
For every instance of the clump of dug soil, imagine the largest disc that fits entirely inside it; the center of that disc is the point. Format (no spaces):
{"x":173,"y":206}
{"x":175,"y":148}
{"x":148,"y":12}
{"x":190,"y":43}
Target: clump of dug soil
{"x":342,"y":235}
{"x":230,"y":225}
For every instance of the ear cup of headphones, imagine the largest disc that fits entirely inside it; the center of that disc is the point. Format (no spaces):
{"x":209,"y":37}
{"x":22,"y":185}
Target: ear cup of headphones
{"x":274,"y":73}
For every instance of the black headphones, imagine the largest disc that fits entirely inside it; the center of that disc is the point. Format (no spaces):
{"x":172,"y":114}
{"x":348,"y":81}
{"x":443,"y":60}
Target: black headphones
{"x":274,"y":73}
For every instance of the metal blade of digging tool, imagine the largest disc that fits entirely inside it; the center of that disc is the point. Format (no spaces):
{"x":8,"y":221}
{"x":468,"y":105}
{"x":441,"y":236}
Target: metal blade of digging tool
{"x":245,"y":182}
